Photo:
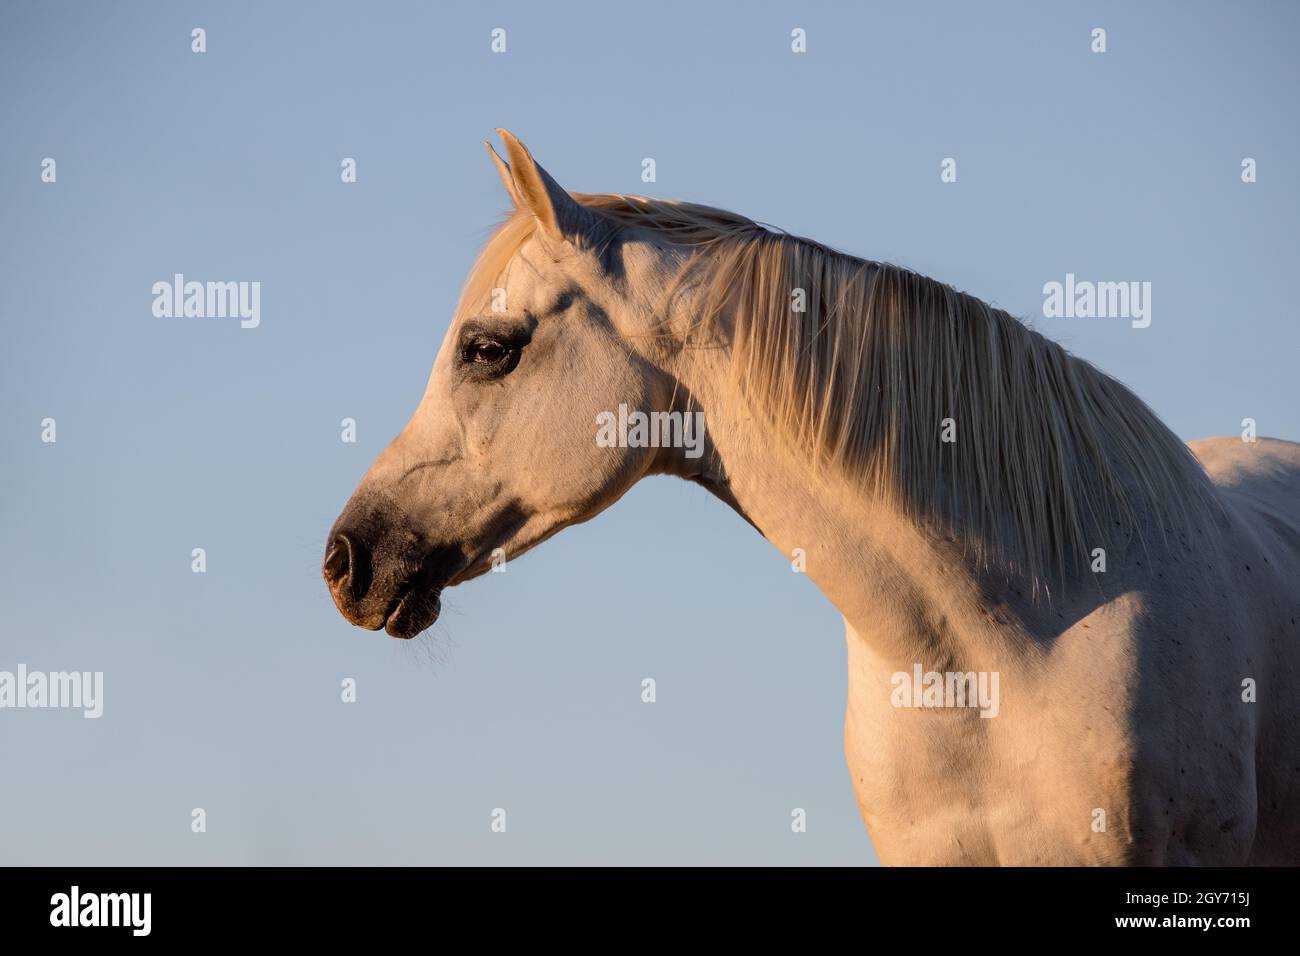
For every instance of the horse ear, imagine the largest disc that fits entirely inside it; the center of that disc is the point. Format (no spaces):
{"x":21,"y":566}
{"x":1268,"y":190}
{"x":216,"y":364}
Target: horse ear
{"x":507,"y":179}
{"x":558,"y":213}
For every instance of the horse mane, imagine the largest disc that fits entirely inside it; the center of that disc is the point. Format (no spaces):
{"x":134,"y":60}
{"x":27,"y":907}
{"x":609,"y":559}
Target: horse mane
{"x":858,"y":364}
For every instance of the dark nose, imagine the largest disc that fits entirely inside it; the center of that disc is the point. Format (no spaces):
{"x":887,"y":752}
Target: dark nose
{"x":347,"y":567}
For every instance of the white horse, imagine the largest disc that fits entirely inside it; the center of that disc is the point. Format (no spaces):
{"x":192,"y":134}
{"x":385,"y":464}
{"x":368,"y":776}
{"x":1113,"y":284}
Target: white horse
{"x":1070,"y":639}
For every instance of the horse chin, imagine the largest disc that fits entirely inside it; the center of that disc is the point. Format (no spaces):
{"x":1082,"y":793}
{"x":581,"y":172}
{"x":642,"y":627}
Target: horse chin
{"x":415,"y":612}
{"x":418,"y":600}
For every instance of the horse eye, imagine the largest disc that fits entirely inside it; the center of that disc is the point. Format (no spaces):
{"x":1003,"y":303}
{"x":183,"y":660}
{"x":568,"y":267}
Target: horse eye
{"x":488,"y":353}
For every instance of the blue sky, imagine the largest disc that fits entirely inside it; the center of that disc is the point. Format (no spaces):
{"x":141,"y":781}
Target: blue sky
{"x":222,"y":689}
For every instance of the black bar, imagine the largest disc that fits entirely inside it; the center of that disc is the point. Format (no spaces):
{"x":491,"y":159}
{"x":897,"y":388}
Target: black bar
{"x":633,"y":907}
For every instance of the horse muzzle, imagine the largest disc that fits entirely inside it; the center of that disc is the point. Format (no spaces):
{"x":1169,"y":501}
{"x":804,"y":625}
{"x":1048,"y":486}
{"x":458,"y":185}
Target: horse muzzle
{"x":401,"y":593}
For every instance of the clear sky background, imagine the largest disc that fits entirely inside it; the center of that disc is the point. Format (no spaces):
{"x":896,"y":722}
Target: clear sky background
{"x":222,"y":690}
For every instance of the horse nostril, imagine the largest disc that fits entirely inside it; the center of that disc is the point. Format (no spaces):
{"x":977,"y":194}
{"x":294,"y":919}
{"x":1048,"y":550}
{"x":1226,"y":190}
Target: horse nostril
{"x":346,"y":566}
{"x":338,"y":559}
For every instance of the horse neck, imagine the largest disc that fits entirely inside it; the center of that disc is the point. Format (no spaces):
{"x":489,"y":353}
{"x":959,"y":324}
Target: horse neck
{"x":910,"y":593}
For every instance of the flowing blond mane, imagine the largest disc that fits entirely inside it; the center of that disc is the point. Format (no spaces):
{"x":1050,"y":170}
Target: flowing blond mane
{"x":1052,"y":457}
